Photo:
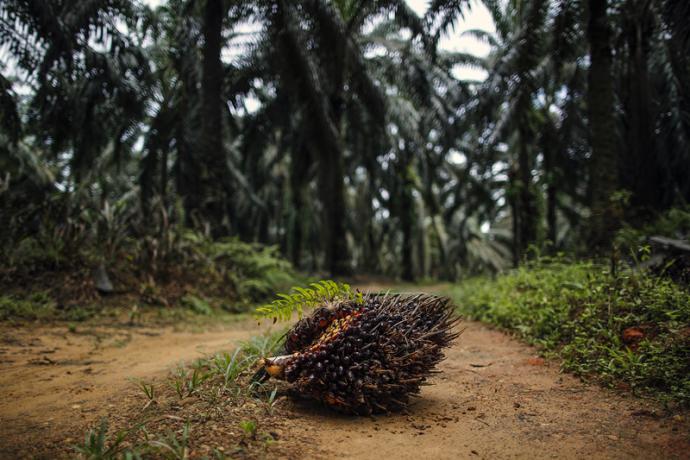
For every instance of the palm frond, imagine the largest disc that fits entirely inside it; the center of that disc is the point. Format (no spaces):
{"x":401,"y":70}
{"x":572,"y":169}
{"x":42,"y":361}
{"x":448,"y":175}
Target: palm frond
{"x":300,"y":299}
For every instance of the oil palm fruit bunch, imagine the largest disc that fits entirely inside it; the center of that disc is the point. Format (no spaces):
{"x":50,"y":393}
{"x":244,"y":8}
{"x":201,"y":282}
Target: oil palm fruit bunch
{"x":366,"y":353}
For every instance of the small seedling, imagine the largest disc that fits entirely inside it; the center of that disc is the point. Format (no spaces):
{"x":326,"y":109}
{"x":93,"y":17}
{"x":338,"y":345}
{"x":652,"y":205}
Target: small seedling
{"x":229,"y":366}
{"x":95,"y":442}
{"x":134,"y":315}
{"x":249,"y":427}
{"x":269,"y":404}
{"x":178,"y":385}
{"x":148,"y":389}
{"x":195,"y":381}
{"x":261,"y":346}
{"x":185,"y":384}
{"x":97,"y":446}
{"x":177,"y":448}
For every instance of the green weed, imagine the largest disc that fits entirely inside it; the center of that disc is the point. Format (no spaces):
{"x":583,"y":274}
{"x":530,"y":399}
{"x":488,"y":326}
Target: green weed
{"x":148,"y":389}
{"x":261,"y":346}
{"x":197,"y":304}
{"x":188,"y":382}
{"x":195,"y":380}
{"x":249,"y":427}
{"x":583,"y":314}
{"x":270,"y":402}
{"x":230,"y":366}
{"x":172,"y":447}
{"x":38,"y":305}
{"x":178,"y":381}
{"x":98,"y":446}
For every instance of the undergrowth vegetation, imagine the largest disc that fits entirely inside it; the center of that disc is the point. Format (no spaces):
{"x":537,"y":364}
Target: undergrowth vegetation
{"x":173,"y":267}
{"x":674,"y":223}
{"x":629,"y":329}
{"x":35,"y":306}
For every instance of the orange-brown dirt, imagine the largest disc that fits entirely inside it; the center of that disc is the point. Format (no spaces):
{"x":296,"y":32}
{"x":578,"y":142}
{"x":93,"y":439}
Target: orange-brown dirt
{"x":494,"y":399}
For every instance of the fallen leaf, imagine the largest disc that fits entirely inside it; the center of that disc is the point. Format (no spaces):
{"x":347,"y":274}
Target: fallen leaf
{"x":633,"y":335}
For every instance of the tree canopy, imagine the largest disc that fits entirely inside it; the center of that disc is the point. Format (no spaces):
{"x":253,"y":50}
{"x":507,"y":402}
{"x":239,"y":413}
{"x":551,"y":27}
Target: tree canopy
{"x":339,"y":131}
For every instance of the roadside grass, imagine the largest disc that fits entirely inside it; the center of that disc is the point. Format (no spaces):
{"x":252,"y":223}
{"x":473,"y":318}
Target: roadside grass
{"x":35,"y":306}
{"x":194,"y":277}
{"x":629,"y":330}
{"x":206,"y":409}
{"x":123,"y":310}
{"x":39,"y":305}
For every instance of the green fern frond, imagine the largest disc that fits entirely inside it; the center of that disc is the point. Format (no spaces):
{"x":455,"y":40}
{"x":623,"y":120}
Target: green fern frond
{"x":299,"y":299}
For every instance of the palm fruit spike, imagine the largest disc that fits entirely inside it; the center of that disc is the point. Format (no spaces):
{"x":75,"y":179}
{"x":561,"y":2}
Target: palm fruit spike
{"x":366,"y":356}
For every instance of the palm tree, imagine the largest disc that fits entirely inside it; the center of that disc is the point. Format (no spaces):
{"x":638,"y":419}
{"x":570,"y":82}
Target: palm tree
{"x":317,"y":62}
{"x":211,"y":152}
{"x":604,"y":167}
{"x":515,"y":63}
{"x":88,"y":78}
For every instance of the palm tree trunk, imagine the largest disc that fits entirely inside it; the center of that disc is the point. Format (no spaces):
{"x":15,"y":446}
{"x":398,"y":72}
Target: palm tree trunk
{"x":528,"y":209}
{"x":296,"y":234}
{"x":551,"y":201}
{"x":187,"y":169}
{"x":406,"y":223}
{"x":326,"y":109}
{"x":550,"y":146}
{"x":604,"y":162}
{"x":164,"y":175}
{"x":187,"y":178}
{"x":406,"y":212}
{"x":298,"y":183}
{"x":422,"y":240}
{"x":516,"y":213}
{"x":372,"y":248}
{"x":211,"y":151}
{"x":640,"y":125}
{"x":332,"y":186}
{"x":332,"y":175}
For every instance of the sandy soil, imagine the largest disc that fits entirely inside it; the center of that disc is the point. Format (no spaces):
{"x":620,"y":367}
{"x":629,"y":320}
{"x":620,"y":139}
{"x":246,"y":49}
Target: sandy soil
{"x":495,"y":399}
{"x":53,"y":379}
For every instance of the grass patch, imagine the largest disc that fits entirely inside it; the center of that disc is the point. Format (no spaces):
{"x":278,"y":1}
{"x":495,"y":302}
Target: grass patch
{"x":35,"y":306}
{"x":191,"y":313}
{"x":631,"y":329}
{"x":207,"y":409}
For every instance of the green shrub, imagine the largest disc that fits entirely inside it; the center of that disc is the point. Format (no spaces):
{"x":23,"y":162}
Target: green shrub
{"x":631,"y":328}
{"x":197,"y":304}
{"x":255,"y":271}
{"x":36,"y":306}
{"x":181,"y":267}
{"x":674,"y":223}
{"x":71,"y":237}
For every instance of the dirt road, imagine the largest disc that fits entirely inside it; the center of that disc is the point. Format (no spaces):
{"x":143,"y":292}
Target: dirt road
{"x":495,"y":399}
{"x":52,"y":378}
